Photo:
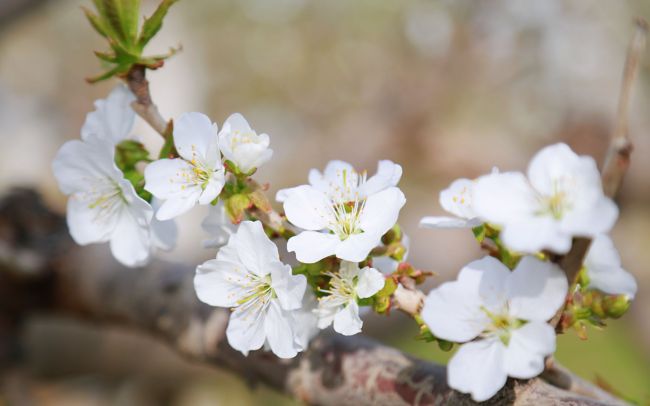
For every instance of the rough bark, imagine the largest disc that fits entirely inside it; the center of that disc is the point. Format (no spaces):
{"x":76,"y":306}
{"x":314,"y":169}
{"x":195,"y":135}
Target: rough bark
{"x":41,"y":269}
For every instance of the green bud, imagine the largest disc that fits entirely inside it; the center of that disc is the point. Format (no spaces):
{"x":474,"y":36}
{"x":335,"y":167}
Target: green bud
{"x":259,"y":200}
{"x":445,"y":345}
{"x":236,"y":206}
{"x":128,"y":153}
{"x":616,"y":306}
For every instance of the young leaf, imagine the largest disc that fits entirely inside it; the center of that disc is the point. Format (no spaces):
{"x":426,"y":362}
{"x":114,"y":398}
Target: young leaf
{"x":152,"y":24}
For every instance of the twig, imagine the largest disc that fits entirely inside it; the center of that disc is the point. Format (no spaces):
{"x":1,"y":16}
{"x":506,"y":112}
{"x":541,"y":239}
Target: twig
{"x":618,"y":155}
{"x":137,"y":81}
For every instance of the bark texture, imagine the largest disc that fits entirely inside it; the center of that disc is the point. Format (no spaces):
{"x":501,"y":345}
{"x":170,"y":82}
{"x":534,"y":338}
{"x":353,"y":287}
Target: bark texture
{"x":41,"y":269}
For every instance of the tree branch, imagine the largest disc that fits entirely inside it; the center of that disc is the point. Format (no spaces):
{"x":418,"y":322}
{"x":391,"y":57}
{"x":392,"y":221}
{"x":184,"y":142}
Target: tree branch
{"x":41,"y":269}
{"x":144,"y":106}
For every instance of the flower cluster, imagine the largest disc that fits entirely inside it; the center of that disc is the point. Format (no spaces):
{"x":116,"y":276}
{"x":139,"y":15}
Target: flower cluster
{"x":501,"y":316}
{"x":350,"y":250}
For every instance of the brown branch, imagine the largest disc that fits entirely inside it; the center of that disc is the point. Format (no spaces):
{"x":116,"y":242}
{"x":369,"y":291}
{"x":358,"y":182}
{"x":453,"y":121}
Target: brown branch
{"x":618,"y":153}
{"x":159,"y":300}
{"x":143,"y":106}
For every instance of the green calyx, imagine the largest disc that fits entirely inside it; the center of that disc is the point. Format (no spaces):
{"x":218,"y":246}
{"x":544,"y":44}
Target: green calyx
{"x":128,"y":154}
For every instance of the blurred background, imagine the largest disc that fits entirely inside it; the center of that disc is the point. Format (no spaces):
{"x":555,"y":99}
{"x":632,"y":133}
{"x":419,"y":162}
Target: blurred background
{"x":447,"y":89}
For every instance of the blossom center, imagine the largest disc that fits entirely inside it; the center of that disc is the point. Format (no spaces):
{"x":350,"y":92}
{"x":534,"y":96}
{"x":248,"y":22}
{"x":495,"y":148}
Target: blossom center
{"x":501,"y":325}
{"x":105,"y":198}
{"x":555,"y":205}
{"x":346,"y":218}
{"x":340,"y":288}
{"x":258,"y":292}
{"x":241,"y":138}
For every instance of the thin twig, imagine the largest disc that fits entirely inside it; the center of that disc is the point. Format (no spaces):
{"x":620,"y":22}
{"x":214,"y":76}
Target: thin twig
{"x":618,"y":155}
{"x":137,"y":81}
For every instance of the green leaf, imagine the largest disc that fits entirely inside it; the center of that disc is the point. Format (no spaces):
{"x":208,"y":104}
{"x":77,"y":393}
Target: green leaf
{"x":128,"y":153}
{"x":97,"y":23}
{"x":106,"y":75}
{"x":153,"y":24}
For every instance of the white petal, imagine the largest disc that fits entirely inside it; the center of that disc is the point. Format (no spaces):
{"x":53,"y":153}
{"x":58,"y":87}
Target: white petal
{"x":312,"y":246}
{"x":113,"y":118}
{"x":289,"y":288}
{"x":170,"y":178}
{"x":535,"y":234}
{"x":246,"y":330}
{"x":536,"y":289}
{"x":388,"y":175}
{"x":347,"y":320}
{"x":604,"y":269}
{"x":256,"y":251}
{"x":381,"y":210}
{"x":195,"y":137}
{"x":449,"y":222}
{"x":279,"y":332}
{"x":308,"y":208}
{"x":221,"y":283}
{"x":385,"y":264}
{"x":356,"y":247}
{"x":597,"y":219}
{"x":527,"y":348}
{"x":503,"y":198}
{"x":131,"y":239}
{"x":176,"y":206}
{"x":305,"y":324}
{"x":457,"y":198}
{"x":218,"y":226}
{"x":235,"y":122}
{"x":163,"y":233}
{"x":370,"y":282}
{"x":86,"y":225}
{"x":283,"y":194}
{"x":478,"y":368}
{"x":213,"y":187}
{"x":78,"y":165}
{"x":556,"y":162}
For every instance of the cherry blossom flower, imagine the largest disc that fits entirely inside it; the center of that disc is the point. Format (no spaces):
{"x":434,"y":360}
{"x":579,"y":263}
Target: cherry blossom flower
{"x":561,"y":198}
{"x":340,"y":306}
{"x":113,"y":117}
{"x":342,"y":183}
{"x":103,"y":205}
{"x":196,"y":177}
{"x":248,"y":277}
{"x":218,"y":225}
{"x":457,"y":200}
{"x":346,"y":217}
{"x":501,"y":317}
{"x":604,"y":271}
{"x":240,"y":144}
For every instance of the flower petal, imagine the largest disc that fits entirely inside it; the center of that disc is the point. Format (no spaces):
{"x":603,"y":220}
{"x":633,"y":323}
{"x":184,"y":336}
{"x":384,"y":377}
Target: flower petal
{"x":535,"y":234}
{"x":604,"y":269}
{"x":85,"y":224}
{"x":170,"y":178}
{"x":356,"y":247}
{"x":478,"y":368}
{"x":246,"y":329}
{"x":255,"y":250}
{"x":527,"y":348}
{"x":131,"y":241}
{"x":308,"y":208}
{"x":213,"y":187}
{"x":381,"y":211}
{"x":503,"y":198}
{"x":388,"y":175}
{"x":79,"y":166}
{"x":312,"y":246}
{"x":449,"y":222}
{"x":279,"y":331}
{"x":195,"y":137}
{"x":113,"y":117}
{"x":457,"y":198}
{"x":221,"y":283}
{"x":289,"y":288}
{"x":370,"y":282}
{"x":347,"y":320}
{"x":536,"y":289}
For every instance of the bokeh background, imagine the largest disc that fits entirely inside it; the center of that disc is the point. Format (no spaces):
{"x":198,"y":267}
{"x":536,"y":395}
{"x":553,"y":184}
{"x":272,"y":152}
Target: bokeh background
{"x":447,"y":89}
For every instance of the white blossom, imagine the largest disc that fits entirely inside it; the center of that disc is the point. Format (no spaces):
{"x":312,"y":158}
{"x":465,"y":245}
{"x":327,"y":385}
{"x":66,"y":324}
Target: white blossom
{"x":342,"y":183}
{"x":103,"y":206}
{"x":561,"y":198}
{"x":345,"y":215}
{"x":248,"y":277}
{"x":196,"y":177}
{"x":501,"y":317}
{"x":340,"y":306}
{"x":112,"y":119}
{"x":218,"y":225}
{"x":457,"y":200}
{"x":240,"y":144}
{"x":604,"y":271}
